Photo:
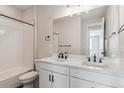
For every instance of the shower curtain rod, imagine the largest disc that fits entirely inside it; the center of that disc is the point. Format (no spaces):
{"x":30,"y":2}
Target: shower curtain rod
{"x":16,"y":19}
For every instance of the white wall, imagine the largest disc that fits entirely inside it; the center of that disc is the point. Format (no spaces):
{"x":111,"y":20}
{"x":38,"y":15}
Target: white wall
{"x":28,"y":15}
{"x":45,"y":16}
{"x":10,"y":11}
{"x":69,"y":34}
{"x":112,"y":25}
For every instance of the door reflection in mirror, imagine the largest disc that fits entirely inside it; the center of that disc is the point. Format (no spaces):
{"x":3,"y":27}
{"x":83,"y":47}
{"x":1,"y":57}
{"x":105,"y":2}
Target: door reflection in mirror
{"x":96,"y":39}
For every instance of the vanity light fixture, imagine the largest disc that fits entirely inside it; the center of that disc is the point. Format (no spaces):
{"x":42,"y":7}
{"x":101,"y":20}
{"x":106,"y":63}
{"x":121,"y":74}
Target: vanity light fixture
{"x":113,"y":33}
{"x":69,"y":10}
{"x":121,"y":29}
{"x":72,"y":9}
{"x":86,"y":8}
{"x":77,"y":7}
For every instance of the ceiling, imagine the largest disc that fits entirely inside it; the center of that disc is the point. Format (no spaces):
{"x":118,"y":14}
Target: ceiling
{"x":22,"y":7}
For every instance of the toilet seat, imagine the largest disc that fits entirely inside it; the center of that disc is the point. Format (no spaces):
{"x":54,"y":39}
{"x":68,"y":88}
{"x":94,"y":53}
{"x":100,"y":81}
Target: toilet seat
{"x":28,"y":75}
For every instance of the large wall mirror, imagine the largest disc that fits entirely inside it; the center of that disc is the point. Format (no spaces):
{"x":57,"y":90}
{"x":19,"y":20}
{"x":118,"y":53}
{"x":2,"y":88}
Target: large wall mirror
{"x":88,"y":33}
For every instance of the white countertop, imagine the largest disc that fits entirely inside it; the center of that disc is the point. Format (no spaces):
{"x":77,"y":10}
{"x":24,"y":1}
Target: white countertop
{"x":113,"y":66}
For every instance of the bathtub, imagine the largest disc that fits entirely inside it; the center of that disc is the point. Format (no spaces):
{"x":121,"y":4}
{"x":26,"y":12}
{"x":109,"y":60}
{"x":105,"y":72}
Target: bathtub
{"x":9,"y":78}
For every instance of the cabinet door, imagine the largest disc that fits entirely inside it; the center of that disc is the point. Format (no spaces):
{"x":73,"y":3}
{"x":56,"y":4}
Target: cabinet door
{"x":45,"y":79}
{"x":60,"y":81}
{"x":78,"y":83}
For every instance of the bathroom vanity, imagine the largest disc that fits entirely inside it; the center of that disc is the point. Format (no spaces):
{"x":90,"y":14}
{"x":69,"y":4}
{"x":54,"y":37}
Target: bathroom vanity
{"x":73,"y":73}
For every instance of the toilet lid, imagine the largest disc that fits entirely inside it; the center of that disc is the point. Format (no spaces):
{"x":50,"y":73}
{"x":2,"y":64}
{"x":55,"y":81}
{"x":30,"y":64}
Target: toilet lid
{"x":28,"y":75}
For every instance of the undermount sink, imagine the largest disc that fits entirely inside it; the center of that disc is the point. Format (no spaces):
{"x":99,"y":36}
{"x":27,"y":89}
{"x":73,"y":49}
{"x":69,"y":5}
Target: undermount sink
{"x":60,"y":60}
{"x":95,"y":64}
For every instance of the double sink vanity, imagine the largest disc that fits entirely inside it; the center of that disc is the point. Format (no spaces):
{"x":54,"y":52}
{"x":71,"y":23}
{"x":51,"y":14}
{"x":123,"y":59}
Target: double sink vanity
{"x":77,"y":72}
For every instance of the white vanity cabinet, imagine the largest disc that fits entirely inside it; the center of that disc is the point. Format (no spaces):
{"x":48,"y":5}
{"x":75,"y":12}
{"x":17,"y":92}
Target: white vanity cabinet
{"x":53,"y":76}
{"x":61,"y":76}
{"x":78,"y":83}
{"x":99,"y":79}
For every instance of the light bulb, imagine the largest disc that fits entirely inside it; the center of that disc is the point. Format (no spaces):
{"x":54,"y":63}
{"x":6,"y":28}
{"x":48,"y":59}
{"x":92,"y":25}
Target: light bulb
{"x":78,"y":9}
{"x":86,"y":9}
{"x":68,"y":9}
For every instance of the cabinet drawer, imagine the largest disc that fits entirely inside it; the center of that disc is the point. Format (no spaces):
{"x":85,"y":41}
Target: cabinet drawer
{"x":55,"y":68}
{"x":78,"y":83}
{"x":98,"y":77}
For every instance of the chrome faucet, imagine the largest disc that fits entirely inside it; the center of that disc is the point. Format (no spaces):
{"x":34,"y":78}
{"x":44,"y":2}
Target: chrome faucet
{"x":94,"y":58}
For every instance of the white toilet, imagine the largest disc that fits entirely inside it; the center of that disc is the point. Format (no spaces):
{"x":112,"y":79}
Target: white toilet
{"x":28,"y":79}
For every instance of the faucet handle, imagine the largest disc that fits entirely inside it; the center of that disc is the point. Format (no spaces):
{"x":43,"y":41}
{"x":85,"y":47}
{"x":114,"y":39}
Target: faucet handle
{"x":88,"y":58}
{"x":100,"y":60}
{"x":66,"y":55}
{"x":59,"y":55}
